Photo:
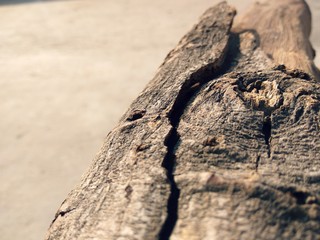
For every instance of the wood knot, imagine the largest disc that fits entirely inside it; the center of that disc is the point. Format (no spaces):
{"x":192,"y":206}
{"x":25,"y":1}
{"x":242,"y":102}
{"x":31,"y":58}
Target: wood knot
{"x":136,"y":114}
{"x":261,"y":94}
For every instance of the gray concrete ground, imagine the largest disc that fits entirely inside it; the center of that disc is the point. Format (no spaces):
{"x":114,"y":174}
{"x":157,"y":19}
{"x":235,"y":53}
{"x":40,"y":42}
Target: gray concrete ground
{"x":68,"y":71}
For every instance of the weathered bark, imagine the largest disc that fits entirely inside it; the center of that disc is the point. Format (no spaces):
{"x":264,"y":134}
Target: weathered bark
{"x":222,"y":144}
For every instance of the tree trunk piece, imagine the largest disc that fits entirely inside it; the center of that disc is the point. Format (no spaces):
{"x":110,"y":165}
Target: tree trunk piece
{"x":223,"y":143}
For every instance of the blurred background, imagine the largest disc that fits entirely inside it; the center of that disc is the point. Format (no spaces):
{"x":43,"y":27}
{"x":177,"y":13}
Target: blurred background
{"x":68,"y":71}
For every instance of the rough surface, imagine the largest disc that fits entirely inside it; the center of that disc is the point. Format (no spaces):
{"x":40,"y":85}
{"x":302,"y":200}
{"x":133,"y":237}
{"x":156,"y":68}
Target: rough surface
{"x":222,"y":144}
{"x":249,"y":147}
{"x":126,"y":191}
{"x":284,"y":38}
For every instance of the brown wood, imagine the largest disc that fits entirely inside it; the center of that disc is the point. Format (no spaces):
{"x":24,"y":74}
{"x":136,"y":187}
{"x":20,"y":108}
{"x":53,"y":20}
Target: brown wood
{"x":282,"y":29}
{"x":223,"y":143}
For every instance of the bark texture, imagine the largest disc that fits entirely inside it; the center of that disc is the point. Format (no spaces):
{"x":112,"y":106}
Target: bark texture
{"x":223,"y":143}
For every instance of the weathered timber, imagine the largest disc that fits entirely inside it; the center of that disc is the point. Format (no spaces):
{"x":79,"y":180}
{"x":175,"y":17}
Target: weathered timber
{"x":283,"y":29}
{"x":223,"y":143}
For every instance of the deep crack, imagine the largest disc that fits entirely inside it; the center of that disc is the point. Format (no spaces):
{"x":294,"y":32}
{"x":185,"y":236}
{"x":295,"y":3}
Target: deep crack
{"x":173,"y":201}
{"x":266,"y":130}
{"x":189,"y":89}
{"x":257,"y":162}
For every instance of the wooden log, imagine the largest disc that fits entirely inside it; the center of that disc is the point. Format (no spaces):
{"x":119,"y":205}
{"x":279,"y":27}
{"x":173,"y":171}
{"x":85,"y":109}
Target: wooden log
{"x":223,"y":143}
{"x":283,"y":29}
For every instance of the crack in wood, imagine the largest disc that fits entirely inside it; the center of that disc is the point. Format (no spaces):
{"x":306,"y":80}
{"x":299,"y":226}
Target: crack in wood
{"x":62,"y":214}
{"x":189,"y":89}
{"x":257,"y":162}
{"x":173,"y":201}
{"x":266,"y":130}
{"x":153,"y":177}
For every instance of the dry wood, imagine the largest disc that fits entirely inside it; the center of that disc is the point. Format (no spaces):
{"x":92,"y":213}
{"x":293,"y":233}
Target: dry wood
{"x":223,"y":143}
{"x":283,"y":29}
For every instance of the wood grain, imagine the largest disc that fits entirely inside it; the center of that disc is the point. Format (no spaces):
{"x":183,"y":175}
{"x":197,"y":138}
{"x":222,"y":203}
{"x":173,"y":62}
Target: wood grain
{"x":283,"y":29}
{"x":223,"y":143}
{"x":125,"y":193}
